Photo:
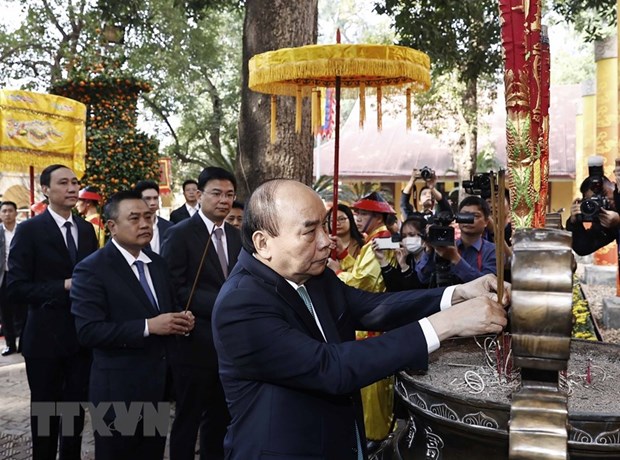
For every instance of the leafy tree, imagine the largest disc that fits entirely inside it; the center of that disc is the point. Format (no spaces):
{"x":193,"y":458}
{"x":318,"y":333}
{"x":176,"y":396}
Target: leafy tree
{"x":461,"y":37}
{"x":189,"y":52}
{"x":595,"y":18}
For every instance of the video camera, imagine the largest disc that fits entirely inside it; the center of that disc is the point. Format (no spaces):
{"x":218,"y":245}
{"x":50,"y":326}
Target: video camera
{"x":591,"y":207}
{"x":479,"y":185}
{"x":440,"y":233}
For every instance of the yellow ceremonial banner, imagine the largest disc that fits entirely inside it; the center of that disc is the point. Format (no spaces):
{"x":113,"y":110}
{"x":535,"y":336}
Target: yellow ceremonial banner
{"x":41,"y":129}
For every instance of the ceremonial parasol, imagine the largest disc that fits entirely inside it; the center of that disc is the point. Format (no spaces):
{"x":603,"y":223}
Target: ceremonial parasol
{"x":301,"y":71}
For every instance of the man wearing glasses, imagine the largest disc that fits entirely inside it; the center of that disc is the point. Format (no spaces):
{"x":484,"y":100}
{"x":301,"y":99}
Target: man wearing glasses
{"x":201,"y":251}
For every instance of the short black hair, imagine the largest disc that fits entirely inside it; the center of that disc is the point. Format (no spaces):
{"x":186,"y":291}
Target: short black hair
{"x":8,"y":203}
{"x":474,"y":200}
{"x":587,"y":184}
{"x":143,"y":185}
{"x":46,"y":174}
{"x":215,"y":173}
{"x":110,"y":209}
{"x":237,"y":205}
{"x":189,"y":181}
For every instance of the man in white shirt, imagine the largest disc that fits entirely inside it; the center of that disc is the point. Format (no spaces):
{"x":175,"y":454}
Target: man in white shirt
{"x":149,"y":190}
{"x":191,"y":205}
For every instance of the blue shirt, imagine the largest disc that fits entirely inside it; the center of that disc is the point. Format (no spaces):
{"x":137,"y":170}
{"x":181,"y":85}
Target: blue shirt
{"x":476,"y":260}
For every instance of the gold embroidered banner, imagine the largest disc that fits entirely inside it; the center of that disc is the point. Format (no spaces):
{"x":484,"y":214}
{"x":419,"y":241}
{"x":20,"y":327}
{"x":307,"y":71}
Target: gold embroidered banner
{"x":41,"y":129}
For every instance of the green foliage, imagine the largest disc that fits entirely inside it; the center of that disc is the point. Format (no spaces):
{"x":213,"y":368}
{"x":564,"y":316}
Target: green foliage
{"x":595,"y":18}
{"x":456,"y":34}
{"x":190,"y":52}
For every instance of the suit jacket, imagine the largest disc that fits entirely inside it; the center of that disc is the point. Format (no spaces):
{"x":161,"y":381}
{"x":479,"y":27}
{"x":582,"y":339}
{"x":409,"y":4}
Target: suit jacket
{"x":2,"y":252}
{"x":179,"y":214}
{"x":110,"y":308}
{"x":182,"y":248}
{"x":291,"y":394}
{"x":589,"y":240}
{"x":39,"y":263}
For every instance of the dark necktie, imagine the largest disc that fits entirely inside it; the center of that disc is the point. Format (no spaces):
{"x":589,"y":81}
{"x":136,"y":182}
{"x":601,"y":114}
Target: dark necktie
{"x":71,"y":246}
{"x":219,"y":248}
{"x":144,"y":283}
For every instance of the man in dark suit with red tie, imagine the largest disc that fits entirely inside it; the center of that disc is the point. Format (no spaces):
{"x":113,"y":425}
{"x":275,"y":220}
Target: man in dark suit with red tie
{"x":197,"y":277}
{"x":43,"y":253}
{"x":125,"y":312}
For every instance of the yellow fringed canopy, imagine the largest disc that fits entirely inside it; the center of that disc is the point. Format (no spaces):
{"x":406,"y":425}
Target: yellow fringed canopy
{"x":297,"y":71}
{"x":284,"y":70}
{"x":41,"y":129}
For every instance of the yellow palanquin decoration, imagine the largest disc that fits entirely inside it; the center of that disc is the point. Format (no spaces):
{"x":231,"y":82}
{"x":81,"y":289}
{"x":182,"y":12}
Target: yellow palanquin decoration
{"x":300,"y":71}
{"x":41,"y":129}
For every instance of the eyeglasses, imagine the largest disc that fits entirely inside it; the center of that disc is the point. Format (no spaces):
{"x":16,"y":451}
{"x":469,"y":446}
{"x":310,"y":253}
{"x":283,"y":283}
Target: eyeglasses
{"x":342,"y":219}
{"x":218,"y":195}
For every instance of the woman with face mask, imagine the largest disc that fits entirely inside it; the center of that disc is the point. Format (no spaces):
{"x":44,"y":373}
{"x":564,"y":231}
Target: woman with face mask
{"x":404,"y":276}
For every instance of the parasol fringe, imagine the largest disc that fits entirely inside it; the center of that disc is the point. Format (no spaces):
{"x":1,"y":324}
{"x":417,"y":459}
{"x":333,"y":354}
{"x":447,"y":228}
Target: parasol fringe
{"x":285,"y":78}
{"x":316,"y":114}
{"x":362,"y":105}
{"x":298,"y":100}
{"x":313,"y":111}
{"x":273,"y":118}
{"x":379,"y":114}
{"x":408,"y":109}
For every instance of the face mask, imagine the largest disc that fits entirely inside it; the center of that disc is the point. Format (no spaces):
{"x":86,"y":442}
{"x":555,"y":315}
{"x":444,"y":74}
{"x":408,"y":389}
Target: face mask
{"x":413,"y":244}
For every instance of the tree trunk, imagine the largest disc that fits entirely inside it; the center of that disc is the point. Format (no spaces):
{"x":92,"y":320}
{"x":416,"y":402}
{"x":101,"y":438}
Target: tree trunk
{"x":466,"y":162}
{"x":270,"y":25}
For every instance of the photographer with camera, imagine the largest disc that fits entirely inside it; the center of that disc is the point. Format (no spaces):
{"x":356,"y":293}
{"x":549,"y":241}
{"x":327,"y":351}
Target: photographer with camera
{"x":447,"y":261}
{"x":404,"y":277}
{"x":428,"y":197}
{"x":597,"y":207}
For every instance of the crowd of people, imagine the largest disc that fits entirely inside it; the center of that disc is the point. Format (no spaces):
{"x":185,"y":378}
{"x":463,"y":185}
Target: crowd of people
{"x":273,"y":337}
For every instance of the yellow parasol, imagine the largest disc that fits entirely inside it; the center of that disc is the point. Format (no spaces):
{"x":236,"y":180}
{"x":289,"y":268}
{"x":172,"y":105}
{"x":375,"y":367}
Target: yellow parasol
{"x":301,"y":71}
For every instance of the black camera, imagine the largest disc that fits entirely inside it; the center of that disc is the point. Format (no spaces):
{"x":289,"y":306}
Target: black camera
{"x":479,"y":185}
{"x":426,"y":173}
{"x":591,"y":207}
{"x":440,"y":233}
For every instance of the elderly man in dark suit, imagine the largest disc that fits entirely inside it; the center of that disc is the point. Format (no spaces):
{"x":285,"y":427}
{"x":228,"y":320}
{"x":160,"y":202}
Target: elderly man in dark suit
{"x":191,"y":206}
{"x":197,"y":277}
{"x":43,"y":253}
{"x":284,"y":331}
{"x":125,"y":311}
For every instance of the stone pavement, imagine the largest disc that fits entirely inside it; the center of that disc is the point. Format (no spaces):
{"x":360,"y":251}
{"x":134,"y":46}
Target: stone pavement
{"x":15,"y":443}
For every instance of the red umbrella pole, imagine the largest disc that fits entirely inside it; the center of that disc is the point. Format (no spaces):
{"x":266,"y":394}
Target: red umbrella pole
{"x":336,"y":160}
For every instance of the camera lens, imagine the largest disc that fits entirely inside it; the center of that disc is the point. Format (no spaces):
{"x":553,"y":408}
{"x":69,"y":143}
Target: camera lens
{"x":589,"y":207}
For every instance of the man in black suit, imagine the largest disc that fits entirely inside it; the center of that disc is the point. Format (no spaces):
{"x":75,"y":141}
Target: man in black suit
{"x":43,"y":253}
{"x":149,"y":190}
{"x":191,"y":207}
{"x":284,"y":330}
{"x":124,"y":311}
{"x":13,"y":315}
{"x":199,"y":394}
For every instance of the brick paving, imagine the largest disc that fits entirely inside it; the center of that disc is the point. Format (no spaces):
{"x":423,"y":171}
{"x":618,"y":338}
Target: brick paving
{"x":15,"y":442}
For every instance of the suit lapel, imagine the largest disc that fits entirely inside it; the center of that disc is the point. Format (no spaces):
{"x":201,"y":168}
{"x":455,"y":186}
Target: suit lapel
{"x":58,"y":239}
{"x":203,"y":238}
{"x":321,"y":307}
{"x":160,"y":284}
{"x":286,"y":291}
{"x":83,"y":237}
{"x":121,"y":268}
